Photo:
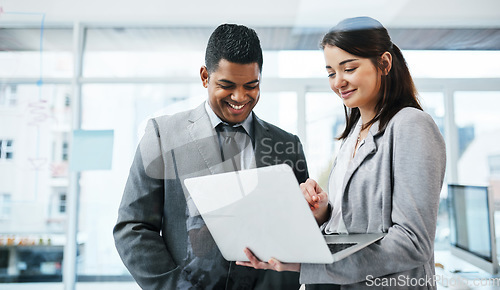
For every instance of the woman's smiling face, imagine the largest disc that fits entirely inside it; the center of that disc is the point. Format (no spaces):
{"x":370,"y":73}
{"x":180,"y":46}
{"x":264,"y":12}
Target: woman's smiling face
{"x":354,"y":79}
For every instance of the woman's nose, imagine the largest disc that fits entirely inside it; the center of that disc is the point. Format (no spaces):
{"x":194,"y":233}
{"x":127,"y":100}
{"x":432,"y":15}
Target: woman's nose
{"x":339,"y":82}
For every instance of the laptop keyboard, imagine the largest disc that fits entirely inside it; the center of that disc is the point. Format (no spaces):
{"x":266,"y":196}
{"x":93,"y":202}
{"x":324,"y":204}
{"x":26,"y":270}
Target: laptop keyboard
{"x":334,"y":248}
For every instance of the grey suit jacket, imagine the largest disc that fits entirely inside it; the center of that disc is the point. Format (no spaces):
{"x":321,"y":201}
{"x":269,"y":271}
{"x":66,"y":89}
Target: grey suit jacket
{"x":159,"y":235}
{"x":392,"y":186}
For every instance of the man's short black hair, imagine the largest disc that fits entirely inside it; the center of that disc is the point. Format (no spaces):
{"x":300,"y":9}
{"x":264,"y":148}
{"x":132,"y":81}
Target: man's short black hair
{"x":235,"y":43}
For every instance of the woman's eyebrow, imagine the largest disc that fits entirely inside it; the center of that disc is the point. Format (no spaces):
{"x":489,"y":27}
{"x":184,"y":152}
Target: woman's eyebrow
{"x":343,"y":62}
{"x":347,"y":60}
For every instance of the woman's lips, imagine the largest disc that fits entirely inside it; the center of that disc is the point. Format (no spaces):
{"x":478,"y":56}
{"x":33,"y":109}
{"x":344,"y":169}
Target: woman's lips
{"x":346,"y":94}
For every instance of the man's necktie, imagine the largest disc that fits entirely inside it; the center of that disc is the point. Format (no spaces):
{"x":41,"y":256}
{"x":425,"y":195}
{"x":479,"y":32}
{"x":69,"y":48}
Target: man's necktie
{"x":229,"y":146}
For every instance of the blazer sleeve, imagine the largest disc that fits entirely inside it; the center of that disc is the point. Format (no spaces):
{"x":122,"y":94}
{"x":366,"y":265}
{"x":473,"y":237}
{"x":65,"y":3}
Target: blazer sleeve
{"x":137,"y":231}
{"x":418,"y":166}
{"x":300,"y":166}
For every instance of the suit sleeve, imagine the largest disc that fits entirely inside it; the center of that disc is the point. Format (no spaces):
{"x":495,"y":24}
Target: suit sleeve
{"x":137,"y":231}
{"x":418,"y":167}
{"x":300,"y":166}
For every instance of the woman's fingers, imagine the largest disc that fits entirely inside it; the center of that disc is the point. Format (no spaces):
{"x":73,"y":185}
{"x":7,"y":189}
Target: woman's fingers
{"x":309,"y":190}
{"x":277,"y":265}
{"x":246,"y":264}
{"x":254,"y":261}
{"x":272,"y":264}
{"x":280,"y":267}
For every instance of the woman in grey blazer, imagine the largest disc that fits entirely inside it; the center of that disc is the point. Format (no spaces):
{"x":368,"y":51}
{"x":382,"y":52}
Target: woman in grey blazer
{"x":388,"y":173}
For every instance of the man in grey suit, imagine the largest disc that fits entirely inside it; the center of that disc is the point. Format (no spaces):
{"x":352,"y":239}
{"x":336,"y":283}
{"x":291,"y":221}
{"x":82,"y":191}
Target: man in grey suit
{"x":160,"y":235}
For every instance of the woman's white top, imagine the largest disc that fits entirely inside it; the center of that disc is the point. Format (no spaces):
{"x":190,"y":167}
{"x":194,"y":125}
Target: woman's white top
{"x":336,"y":182}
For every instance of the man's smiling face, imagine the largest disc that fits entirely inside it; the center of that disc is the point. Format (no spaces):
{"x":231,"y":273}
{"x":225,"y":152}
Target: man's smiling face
{"x":233,"y":90}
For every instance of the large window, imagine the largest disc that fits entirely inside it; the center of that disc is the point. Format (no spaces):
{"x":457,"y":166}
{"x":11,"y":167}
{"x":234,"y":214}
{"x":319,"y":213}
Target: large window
{"x":35,"y":67}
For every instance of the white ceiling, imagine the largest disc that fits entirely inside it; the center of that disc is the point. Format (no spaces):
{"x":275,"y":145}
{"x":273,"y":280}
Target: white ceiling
{"x":289,"y":13}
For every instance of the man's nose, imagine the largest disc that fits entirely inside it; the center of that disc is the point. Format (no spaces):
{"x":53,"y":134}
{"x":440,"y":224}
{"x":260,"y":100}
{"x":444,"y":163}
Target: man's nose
{"x":238,"y":95}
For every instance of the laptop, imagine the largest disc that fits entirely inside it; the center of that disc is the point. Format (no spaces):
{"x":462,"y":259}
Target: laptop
{"x":264,"y":209}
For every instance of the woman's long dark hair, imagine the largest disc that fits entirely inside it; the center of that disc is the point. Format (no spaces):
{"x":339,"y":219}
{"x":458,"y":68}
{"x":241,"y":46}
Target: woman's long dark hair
{"x":366,"y":37}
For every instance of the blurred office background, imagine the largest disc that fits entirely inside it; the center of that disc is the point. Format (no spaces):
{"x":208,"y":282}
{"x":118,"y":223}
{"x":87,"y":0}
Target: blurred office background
{"x":112,"y":65}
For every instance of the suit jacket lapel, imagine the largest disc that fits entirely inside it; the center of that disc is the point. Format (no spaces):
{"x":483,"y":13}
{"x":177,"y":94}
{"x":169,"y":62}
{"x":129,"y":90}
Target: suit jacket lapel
{"x":261,"y":132}
{"x":367,"y":149}
{"x":205,"y":137}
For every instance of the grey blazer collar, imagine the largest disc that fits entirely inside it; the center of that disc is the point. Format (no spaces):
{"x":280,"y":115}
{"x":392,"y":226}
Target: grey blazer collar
{"x":205,"y":138}
{"x":368,"y":148}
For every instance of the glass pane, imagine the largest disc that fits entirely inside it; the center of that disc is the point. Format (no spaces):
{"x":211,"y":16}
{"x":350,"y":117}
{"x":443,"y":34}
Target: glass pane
{"x":126,"y":110}
{"x":29,"y":53}
{"x":279,"y":109}
{"x":310,"y":64}
{"x":32,"y":239}
{"x":433,"y":104}
{"x":478,"y":121}
{"x":146,"y":52}
{"x":142,"y":64}
{"x":449,"y":64}
{"x":325,"y":120}
{"x":302,"y":64}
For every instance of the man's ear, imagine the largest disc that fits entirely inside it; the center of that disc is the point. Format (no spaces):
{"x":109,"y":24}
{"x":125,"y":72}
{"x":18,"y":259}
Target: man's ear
{"x":204,"y":76}
{"x":386,"y":62}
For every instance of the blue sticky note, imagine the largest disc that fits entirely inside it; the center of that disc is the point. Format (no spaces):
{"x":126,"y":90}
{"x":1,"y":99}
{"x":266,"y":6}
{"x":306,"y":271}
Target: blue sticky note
{"x":91,"y":150}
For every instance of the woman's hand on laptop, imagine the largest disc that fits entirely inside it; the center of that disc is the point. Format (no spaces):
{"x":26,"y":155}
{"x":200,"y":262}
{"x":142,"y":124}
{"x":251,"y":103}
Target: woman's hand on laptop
{"x":317,"y":199}
{"x":272,"y":264}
